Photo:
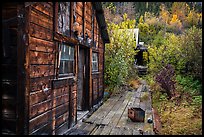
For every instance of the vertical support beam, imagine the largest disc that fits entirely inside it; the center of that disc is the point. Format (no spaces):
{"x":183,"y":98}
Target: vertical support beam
{"x":103,"y":70}
{"x":55,"y":24}
{"x":20,"y":70}
{"x":90,"y":81}
{"x":93,"y":27}
{"x":23,"y":69}
{"x":83,"y":17}
{"x":71,"y":18}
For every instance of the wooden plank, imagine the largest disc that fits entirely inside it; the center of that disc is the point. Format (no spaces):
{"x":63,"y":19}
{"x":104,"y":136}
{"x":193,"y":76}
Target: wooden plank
{"x":96,"y":117}
{"x":124,"y":118}
{"x":79,"y":10}
{"x":40,"y":32}
{"x":44,"y":7}
{"x":88,"y":20}
{"x":79,"y":4}
{"x":61,"y":119}
{"x":79,"y":19}
{"x":138,"y":92}
{"x":61,"y":109}
{"x":136,"y":103}
{"x":115,"y":119}
{"x":41,"y":19}
{"x":126,"y":131}
{"x":38,"y":58}
{"x":40,"y":108}
{"x":116,"y":131}
{"x":39,"y":96}
{"x":143,"y":103}
{"x":89,"y":128}
{"x":109,"y":116}
{"x":104,"y":113}
{"x":62,"y":129}
{"x":41,"y":70}
{"x":40,"y":83}
{"x":60,"y":91}
{"x":37,"y":44}
{"x":39,"y":121}
{"x":46,"y":129}
{"x":92,"y":118}
{"x":78,"y":130}
{"x":60,"y":83}
{"x":136,"y":132}
{"x":61,"y":99}
{"x":98,"y":131}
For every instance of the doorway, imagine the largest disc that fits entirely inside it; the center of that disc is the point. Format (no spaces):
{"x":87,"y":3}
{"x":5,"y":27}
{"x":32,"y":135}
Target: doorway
{"x":83,"y":80}
{"x":83,"y":83}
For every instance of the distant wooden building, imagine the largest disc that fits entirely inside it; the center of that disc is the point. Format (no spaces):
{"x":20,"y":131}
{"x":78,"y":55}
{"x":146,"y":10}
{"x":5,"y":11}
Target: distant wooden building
{"x":52,"y":64}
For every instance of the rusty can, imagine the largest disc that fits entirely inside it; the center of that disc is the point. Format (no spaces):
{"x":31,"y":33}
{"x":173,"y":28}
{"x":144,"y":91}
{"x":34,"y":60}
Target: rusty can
{"x":136,"y":114}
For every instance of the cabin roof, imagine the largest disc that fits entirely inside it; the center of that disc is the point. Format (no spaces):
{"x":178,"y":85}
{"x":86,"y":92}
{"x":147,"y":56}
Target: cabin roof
{"x":101,"y":21}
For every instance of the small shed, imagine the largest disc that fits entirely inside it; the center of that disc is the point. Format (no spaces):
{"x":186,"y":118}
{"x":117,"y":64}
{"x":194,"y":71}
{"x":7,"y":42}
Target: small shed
{"x":52,"y":64}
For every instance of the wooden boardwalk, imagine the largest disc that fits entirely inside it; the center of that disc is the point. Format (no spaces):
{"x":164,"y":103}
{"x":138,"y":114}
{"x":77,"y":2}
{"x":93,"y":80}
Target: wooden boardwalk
{"x":112,"y":117}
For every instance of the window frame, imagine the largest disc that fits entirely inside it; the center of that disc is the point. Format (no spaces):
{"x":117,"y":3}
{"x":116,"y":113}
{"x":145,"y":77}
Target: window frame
{"x":60,"y":59}
{"x":97,"y":62}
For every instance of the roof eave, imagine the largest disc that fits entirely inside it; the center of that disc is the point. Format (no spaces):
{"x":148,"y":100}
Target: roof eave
{"x":101,"y":21}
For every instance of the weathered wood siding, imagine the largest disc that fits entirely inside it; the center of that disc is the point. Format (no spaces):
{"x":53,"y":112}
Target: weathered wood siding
{"x":101,"y":67}
{"x":79,"y":16}
{"x":97,"y":78}
{"x":35,"y":100}
{"x":42,"y":59}
{"x":88,"y":19}
{"x":64,"y":105}
{"x":52,"y":102}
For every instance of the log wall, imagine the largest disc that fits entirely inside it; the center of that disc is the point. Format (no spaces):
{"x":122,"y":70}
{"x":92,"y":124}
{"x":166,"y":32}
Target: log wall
{"x":41,"y":61}
{"x":30,"y":83}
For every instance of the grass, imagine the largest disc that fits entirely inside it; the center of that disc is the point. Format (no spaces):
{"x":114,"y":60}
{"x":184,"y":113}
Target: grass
{"x":178,"y":116}
{"x":134,"y":83}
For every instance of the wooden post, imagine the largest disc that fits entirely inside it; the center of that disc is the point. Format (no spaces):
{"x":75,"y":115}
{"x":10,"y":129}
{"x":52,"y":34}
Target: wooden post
{"x":23,"y":69}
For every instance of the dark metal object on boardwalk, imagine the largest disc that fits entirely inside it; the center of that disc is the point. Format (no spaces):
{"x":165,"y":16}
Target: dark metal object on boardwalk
{"x":136,"y":114}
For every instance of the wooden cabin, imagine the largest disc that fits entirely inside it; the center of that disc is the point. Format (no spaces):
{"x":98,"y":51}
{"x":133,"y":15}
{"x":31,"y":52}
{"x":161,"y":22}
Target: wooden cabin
{"x":52,"y":64}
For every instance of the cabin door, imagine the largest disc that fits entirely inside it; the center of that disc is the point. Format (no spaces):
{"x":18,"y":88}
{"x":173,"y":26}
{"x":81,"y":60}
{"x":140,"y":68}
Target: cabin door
{"x":83,"y":82}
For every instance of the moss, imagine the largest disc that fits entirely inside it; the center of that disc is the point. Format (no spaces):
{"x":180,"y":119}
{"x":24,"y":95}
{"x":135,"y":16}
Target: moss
{"x":145,"y":96}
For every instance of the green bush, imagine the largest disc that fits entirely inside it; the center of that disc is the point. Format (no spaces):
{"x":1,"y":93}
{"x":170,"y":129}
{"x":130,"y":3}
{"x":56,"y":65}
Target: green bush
{"x":119,"y":53}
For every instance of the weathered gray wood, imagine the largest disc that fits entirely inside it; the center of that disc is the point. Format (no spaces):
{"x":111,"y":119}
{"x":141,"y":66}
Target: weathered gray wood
{"x":127,"y":131}
{"x":89,"y":128}
{"x":106,"y":130}
{"x":98,"y":114}
{"x":124,"y":118}
{"x":112,"y":117}
{"x":120,"y":111}
{"x":98,"y":130}
{"x":116,"y":131}
{"x":135,"y":132}
{"x":108,"y":118}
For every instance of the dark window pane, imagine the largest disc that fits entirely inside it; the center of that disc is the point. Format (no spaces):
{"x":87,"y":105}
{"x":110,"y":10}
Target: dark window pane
{"x":61,"y":67}
{"x":66,"y":67}
{"x":71,"y":66}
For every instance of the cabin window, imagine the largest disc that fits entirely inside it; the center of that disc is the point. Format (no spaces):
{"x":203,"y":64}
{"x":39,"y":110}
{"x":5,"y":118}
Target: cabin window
{"x":66,"y":54}
{"x":95,"y":62}
{"x":64,"y":18}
